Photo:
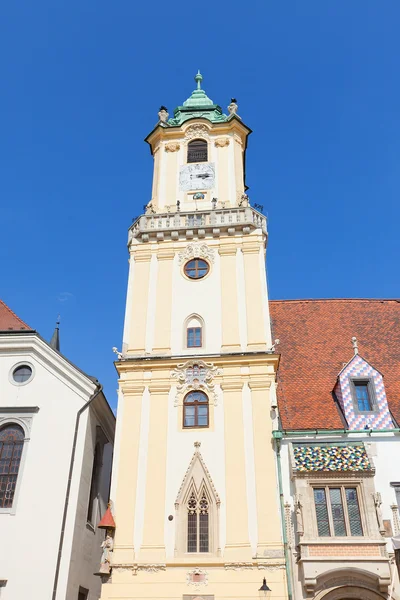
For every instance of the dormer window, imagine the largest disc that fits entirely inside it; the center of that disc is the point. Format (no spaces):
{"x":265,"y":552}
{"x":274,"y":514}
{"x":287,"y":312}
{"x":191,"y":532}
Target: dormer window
{"x":363,"y":395}
{"x":197,"y":151}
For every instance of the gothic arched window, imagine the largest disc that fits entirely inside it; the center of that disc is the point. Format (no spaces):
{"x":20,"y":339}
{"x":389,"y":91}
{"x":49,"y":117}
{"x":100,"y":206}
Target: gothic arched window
{"x":11,"y":444}
{"x":197,"y":151}
{"x":198,"y":522}
{"x":195,"y":410}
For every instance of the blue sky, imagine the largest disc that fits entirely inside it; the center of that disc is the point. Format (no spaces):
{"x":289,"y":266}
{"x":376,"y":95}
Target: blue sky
{"x":82,"y":82}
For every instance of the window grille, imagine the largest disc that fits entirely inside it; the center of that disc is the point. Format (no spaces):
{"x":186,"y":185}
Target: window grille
{"x":11,"y":445}
{"x":198,"y":523}
{"x":337,"y":511}
{"x":197,"y":151}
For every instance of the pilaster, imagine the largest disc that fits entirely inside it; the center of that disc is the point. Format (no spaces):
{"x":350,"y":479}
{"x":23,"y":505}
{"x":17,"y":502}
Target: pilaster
{"x":254,"y":294}
{"x":229,"y":298}
{"x":125,"y":502}
{"x":153,"y":546}
{"x":237,"y":529}
{"x":162,"y":331}
{"x":140,"y":296}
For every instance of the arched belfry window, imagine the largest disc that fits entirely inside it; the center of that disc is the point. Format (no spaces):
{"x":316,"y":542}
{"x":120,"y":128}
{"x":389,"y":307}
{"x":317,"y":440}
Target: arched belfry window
{"x":194,"y":332}
{"x":11,"y":446}
{"x":197,"y":151}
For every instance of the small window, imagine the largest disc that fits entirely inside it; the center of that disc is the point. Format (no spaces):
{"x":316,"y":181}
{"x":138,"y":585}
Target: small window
{"x":197,"y":151}
{"x":22,"y":374}
{"x":196,"y":268}
{"x":337,"y":511}
{"x":363,"y":395}
{"x":11,"y":445}
{"x":194,"y":337}
{"x":83,"y":593}
{"x":94,"y":487}
{"x":195,"y":410}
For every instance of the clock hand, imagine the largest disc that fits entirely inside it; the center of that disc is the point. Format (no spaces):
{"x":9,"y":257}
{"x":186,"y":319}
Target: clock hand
{"x":200,"y":176}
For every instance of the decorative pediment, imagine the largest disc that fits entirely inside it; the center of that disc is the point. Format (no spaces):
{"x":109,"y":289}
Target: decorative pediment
{"x":196,"y":476}
{"x":195,"y":375}
{"x":197,"y":130}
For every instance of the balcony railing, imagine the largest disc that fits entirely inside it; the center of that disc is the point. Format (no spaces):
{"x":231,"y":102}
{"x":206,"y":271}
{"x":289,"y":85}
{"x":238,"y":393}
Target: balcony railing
{"x":215,"y":222}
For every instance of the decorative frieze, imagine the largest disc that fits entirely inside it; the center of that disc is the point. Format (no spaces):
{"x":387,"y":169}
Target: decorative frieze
{"x":152,"y":568}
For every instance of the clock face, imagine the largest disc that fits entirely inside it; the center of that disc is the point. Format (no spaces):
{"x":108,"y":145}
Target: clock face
{"x":198,"y":176}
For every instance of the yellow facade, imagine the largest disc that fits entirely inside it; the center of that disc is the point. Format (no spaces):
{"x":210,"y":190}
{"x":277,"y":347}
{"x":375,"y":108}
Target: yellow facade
{"x":161,"y":463}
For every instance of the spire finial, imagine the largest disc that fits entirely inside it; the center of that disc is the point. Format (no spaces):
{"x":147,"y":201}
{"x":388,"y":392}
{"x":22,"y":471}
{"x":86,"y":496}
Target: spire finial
{"x":198,"y":79}
{"x":55,"y":338}
{"x":355,"y":344}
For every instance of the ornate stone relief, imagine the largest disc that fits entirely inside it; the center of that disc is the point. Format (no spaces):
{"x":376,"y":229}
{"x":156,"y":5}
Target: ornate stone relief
{"x":268,"y":567}
{"x":172,"y":147}
{"x":152,"y":568}
{"x":396,"y":521}
{"x":197,"y":578}
{"x":196,"y":251}
{"x":195,"y":375}
{"x":238,"y":566}
{"x":196,"y":130}
{"x":221,"y":142}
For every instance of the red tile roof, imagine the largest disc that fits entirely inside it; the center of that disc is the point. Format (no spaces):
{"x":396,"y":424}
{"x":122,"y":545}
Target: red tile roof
{"x":10,"y":321}
{"x":315,"y":342}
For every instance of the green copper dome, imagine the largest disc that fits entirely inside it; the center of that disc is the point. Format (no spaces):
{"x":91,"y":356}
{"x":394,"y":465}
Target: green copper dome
{"x":198,"y":105}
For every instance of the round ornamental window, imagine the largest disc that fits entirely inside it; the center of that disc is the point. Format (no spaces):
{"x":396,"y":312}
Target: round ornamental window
{"x":22,"y":374}
{"x":196,"y":268}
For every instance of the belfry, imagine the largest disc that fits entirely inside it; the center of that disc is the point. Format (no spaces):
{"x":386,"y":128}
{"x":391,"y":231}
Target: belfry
{"x":194,"y":492}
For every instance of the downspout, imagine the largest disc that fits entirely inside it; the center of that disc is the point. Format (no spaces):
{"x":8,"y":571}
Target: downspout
{"x":67,"y":494}
{"x":278,"y":441}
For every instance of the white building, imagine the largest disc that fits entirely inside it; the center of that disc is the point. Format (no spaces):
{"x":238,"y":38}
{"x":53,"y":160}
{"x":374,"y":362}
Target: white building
{"x":56,"y":440}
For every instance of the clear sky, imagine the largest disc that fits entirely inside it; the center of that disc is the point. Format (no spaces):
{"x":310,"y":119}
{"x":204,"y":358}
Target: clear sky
{"x":82,"y":81}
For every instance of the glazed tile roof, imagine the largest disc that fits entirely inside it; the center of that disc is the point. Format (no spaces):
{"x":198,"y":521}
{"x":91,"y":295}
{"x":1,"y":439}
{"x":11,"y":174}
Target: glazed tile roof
{"x":330,"y":458}
{"x":315,"y":343}
{"x":9,"y":320}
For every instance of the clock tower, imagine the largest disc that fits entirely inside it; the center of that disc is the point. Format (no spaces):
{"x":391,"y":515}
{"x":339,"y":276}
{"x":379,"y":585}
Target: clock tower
{"x":194,"y":490}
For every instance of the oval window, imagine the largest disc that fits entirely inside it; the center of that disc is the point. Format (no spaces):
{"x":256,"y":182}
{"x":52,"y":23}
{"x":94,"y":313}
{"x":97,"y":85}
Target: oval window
{"x":22,"y":373}
{"x":196,"y":268}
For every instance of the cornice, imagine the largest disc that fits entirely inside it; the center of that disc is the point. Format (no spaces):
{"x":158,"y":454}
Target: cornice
{"x":232,"y":384}
{"x":259,"y":384}
{"x":159,"y":387}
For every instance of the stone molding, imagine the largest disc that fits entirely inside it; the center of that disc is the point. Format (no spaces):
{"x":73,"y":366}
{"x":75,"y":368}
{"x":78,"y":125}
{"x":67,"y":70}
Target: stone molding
{"x":151,"y":567}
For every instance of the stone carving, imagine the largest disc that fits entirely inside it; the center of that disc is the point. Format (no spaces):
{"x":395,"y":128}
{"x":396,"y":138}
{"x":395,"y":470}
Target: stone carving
{"x":377,"y":502}
{"x":195,"y":375}
{"x":232,"y":108}
{"x":268,"y":567}
{"x":298,"y":507}
{"x":238,"y":566}
{"x":152,"y":568}
{"x":197,"y":578}
{"x":244,"y":200}
{"x":172,"y":147}
{"x":149,"y":209}
{"x":195,"y":131}
{"x":289,"y":526}
{"x":221,"y":142}
{"x":196,"y":251}
{"x":396,"y":521}
{"x":105,"y":561}
{"x":163,"y":114}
